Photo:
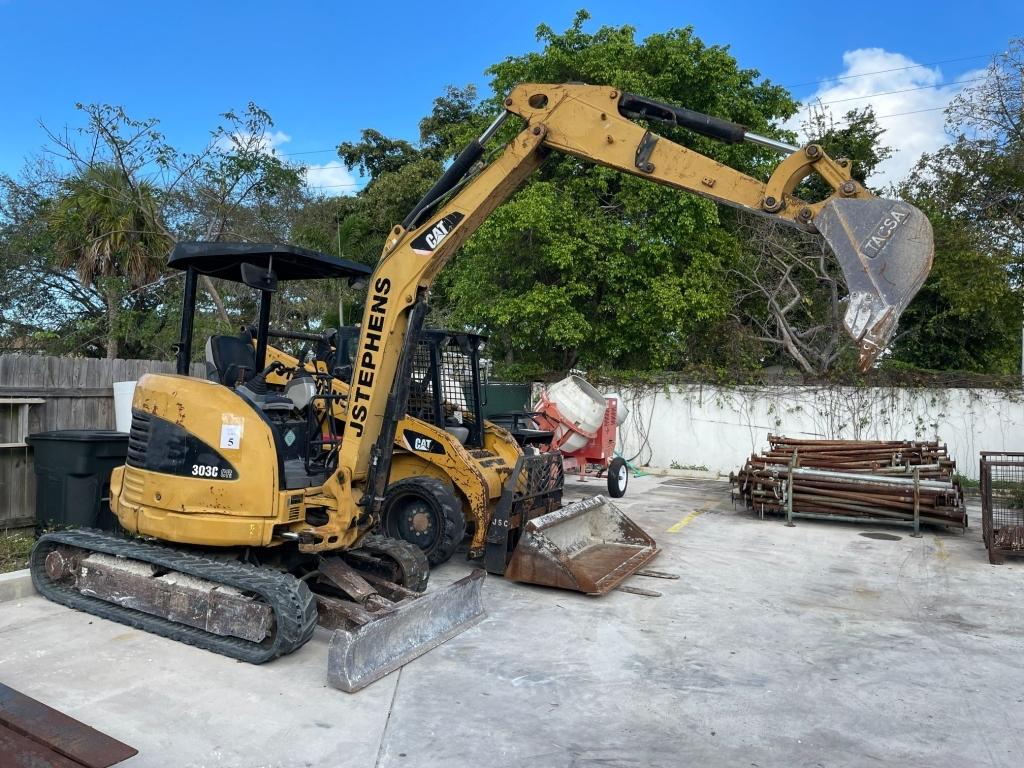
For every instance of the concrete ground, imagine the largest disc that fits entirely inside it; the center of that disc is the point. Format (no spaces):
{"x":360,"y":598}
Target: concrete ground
{"x":805,"y":646}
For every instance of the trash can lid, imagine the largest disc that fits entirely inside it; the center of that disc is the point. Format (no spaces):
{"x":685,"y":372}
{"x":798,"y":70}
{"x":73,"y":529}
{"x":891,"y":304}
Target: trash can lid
{"x":78,"y":435}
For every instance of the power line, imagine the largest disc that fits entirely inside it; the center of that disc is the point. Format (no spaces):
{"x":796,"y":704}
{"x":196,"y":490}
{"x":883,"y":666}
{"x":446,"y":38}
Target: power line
{"x":902,"y":90}
{"x":894,"y":114}
{"x":323,"y":168}
{"x":894,"y":69}
{"x":912,"y":112}
{"x":308,"y":152}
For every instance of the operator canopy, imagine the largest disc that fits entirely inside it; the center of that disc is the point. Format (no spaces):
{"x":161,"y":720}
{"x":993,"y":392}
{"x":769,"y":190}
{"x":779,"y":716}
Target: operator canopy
{"x":288,"y":262}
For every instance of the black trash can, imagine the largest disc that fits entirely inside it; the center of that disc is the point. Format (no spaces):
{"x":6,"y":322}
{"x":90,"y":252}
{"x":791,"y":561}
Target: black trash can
{"x":73,"y":469}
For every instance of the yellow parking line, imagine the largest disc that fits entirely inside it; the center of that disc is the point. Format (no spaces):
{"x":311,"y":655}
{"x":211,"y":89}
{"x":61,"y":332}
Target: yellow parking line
{"x":686,"y":521}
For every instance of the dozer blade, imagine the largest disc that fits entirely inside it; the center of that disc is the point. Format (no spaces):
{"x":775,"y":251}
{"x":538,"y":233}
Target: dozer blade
{"x":358,"y":657}
{"x":885,"y":249}
{"x":589,"y":546}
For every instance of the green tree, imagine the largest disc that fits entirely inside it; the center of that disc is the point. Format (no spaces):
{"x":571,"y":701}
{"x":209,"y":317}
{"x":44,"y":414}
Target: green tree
{"x":107,"y":228}
{"x":587,"y":266}
{"x":115,"y":167}
{"x":968,"y":315}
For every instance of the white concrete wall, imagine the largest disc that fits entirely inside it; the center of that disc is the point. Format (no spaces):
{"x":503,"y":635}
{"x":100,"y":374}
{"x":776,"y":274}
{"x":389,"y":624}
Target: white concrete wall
{"x":719,"y":428}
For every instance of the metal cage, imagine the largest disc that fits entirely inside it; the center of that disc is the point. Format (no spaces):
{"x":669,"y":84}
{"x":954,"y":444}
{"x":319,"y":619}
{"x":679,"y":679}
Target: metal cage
{"x":445,"y":386}
{"x":1002,"y":504}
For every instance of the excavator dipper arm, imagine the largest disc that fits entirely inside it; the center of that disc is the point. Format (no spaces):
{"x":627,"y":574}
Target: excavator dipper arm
{"x":883,"y":246}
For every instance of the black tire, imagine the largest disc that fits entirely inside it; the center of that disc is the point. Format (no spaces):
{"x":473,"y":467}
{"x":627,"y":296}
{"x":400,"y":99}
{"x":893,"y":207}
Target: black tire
{"x":618,"y":477}
{"x":426,"y":512}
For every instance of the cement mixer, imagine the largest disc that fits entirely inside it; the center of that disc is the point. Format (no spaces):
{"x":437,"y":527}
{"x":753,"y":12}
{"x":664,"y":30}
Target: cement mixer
{"x":589,"y":546}
{"x":584,"y":424}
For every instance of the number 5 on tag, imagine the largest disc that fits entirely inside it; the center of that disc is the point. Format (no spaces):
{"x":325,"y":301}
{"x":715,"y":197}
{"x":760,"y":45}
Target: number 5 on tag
{"x":230,"y":436}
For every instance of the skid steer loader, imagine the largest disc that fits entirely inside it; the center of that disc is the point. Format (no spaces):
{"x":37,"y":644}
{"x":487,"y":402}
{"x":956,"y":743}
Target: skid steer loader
{"x":449,"y":465}
{"x":210,"y":465}
{"x":452,"y":470}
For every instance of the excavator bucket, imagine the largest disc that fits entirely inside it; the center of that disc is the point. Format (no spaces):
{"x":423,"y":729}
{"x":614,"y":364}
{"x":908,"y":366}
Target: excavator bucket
{"x":362,"y":653}
{"x":589,"y":546}
{"x":885,"y":248}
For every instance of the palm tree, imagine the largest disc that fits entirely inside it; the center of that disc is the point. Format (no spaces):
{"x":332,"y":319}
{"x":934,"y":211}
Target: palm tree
{"x":107,"y":228}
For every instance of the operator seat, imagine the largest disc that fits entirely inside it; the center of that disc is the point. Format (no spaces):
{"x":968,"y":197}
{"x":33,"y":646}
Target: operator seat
{"x":230,"y":360}
{"x":454,"y":428}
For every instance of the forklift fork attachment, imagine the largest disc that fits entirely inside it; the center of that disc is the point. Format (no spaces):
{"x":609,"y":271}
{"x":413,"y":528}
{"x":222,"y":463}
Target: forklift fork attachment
{"x":885,"y":249}
{"x":361,"y":655}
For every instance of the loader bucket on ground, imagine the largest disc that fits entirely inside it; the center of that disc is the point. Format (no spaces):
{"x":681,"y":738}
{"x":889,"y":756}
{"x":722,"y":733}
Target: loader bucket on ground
{"x":885,"y":249}
{"x":358,"y":657}
{"x":589,"y":546}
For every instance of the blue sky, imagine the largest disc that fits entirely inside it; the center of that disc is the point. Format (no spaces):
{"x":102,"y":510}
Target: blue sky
{"x":324,"y":70}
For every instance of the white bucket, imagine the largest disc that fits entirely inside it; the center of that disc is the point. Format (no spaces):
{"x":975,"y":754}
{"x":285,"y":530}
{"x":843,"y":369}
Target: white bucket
{"x":579,"y":404}
{"x":621,"y":411}
{"x":124,"y":392}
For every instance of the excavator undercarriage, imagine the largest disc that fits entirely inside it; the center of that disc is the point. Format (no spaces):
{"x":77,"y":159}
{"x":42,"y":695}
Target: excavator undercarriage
{"x":372,"y":597}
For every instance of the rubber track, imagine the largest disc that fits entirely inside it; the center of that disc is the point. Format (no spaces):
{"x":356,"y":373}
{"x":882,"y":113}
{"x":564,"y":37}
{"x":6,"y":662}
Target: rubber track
{"x":410,"y":558}
{"x":292,"y":602}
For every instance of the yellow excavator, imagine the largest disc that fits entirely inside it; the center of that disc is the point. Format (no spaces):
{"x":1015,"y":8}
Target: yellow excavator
{"x":231,"y":538}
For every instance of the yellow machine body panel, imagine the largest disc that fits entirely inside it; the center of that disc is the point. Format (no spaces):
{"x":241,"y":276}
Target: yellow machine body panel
{"x":202,"y":468}
{"x":477,"y":475}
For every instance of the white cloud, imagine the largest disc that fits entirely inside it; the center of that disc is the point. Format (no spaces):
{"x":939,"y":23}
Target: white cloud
{"x":331,"y":178}
{"x":268,"y":143}
{"x":869,"y":77}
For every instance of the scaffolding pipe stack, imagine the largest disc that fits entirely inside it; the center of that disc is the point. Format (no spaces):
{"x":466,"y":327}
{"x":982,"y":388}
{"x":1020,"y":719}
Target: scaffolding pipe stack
{"x":901,"y":482}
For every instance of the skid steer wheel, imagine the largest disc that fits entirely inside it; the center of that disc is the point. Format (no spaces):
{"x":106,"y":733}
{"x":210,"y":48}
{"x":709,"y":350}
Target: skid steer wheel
{"x":426,"y":512}
{"x":618,"y":477}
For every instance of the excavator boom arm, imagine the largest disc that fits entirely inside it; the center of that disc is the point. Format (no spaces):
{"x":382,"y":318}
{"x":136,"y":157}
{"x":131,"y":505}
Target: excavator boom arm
{"x":884,"y":247}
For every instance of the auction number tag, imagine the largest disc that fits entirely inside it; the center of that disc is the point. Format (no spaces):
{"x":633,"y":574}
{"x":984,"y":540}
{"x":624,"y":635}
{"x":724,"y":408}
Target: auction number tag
{"x":231,"y":431}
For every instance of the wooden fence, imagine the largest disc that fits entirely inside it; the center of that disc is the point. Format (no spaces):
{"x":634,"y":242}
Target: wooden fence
{"x":39,"y":394}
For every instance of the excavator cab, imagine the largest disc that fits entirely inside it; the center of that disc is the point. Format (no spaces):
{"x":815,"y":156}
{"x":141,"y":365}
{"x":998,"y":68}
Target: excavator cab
{"x":240,"y":361}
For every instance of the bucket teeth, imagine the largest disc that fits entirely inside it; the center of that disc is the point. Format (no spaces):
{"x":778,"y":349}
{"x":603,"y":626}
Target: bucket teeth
{"x":885,"y":249}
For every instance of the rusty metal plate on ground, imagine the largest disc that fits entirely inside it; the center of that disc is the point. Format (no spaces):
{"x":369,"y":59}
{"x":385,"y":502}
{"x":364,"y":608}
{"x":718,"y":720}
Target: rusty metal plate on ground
{"x":33,"y":734}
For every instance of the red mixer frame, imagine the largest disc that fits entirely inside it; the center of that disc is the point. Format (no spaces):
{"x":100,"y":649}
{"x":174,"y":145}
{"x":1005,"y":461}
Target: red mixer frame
{"x":596,"y":458}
